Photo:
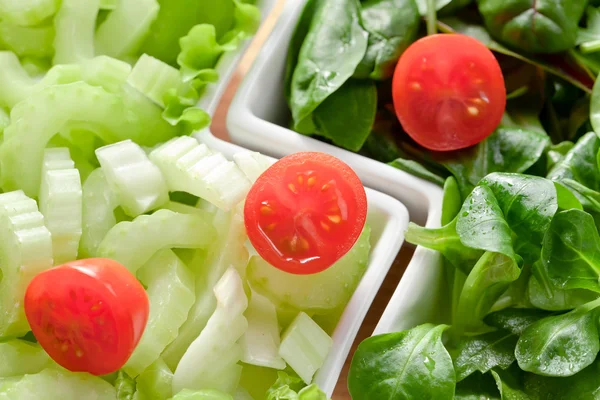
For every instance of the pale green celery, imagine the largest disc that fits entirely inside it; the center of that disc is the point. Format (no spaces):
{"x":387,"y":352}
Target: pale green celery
{"x":170,"y":288}
{"x":57,"y":384}
{"x":154,"y":383}
{"x":205,"y":394}
{"x":185,"y":209}
{"x":16,"y":84}
{"x":126,"y":27}
{"x":35,"y":67}
{"x":193,"y":168}
{"x":35,"y":41}
{"x":25,"y":250}
{"x":75,"y":23}
{"x":253,"y":164}
{"x":106,"y":72}
{"x":61,"y":75}
{"x":27,"y":12}
{"x":108,"y":4}
{"x":134,"y":243}
{"x":154,"y":78}
{"x":261,"y":341}
{"x":304,"y":346}
{"x":211,"y":361}
{"x":19,"y":357}
{"x":227,"y":251}
{"x":61,"y":203}
{"x":138,"y":183}
{"x":4,"y":121}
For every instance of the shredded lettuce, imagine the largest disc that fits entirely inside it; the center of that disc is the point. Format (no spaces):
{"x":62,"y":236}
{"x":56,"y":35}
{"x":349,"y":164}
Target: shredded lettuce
{"x":290,"y":387}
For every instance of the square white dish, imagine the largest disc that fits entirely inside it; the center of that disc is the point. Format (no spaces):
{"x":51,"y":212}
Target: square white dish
{"x":388,"y":219}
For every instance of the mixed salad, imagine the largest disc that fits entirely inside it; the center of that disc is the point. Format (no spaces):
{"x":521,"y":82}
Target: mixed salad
{"x":502,"y":110}
{"x":136,"y":262}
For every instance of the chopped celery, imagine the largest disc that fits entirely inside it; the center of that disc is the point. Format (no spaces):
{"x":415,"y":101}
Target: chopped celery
{"x":19,"y":357}
{"x":253,"y":164}
{"x":304,"y":346}
{"x":99,"y":203}
{"x":27,"y":12}
{"x":211,"y":361}
{"x":61,"y":203}
{"x":25,"y":250}
{"x":35,"y":66}
{"x":138,"y":183}
{"x":261,"y":341}
{"x":126,"y":27}
{"x":15,"y":82}
{"x":202,"y":395}
{"x":75,"y":23}
{"x":227,"y":251}
{"x":316,"y":293}
{"x":154,"y":78}
{"x":106,"y":72}
{"x":134,"y":243}
{"x":171,"y":293}
{"x":257,"y":380}
{"x":185,"y":209}
{"x":191,"y":167}
{"x":155,"y":382}
{"x":35,"y":41}
{"x":57,"y":384}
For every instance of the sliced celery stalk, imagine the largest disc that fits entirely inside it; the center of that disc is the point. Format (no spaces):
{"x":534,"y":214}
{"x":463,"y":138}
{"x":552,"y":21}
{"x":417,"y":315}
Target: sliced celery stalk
{"x":304,"y":346}
{"x":19,"y":357}
{"x":106,"y":72}
{"x":138,"y":183}
{"x":35,"y":41}
{"x":154,"y":78}
{"x":27,"y":12}
{"x":253,"y":164}
{"x":75,"y":23}
{"x":14,"y":80}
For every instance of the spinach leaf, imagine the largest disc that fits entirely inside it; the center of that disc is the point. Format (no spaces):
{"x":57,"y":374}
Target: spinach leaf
{"x":417,"y":169}
{"x":514,"y":320}
{"x":589,"y":36}
{"x":484,"y":352}
{"x":334,"y":45}
{"x":566,"y":198}
{"x":438,"y":5}
{"x":451,"y":202}
{"x":571,"y":251}
{"x":347,"y":115}
{"x":506,"y":150}
{"x":557,"y":153}
{"x":406,"y":364}
{"x":560,"y":345}
{"x":510,"y":383}
{"x":558,"y":299}
{"x":542,"y":26}
{"x":477,"y":387}
{"x":583,"y":385}
{"x":453,"y":6}
{"x":392,"y":27}
{"x":595,"y":107}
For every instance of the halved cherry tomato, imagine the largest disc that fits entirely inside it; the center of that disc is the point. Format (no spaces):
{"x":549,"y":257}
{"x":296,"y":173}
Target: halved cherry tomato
{"x":88,"y":315}
{"x":305,"y":212}
{"x":448,"y":92}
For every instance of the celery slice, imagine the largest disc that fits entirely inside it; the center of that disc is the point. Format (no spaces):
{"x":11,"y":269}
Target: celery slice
{"x":19,"y":357}
{"x":171,"y":293}
{"x":106,"y":72}
{"x":253,"y":164}
{"x":61,"y":203}
{"x":191,"y":167}
{"x":35,"y":41}
{"x":27,"y":12}
{"x":154,"y":78}
{"x":15,"y":82}
{"x":138,"y":183}
{"x":126,"y":27}
{"x":154,"y":383}
{"x":304,"y":346}
{"x":211,"y":361}
{"x":75,"y":23}
{"x":134,"y":243}
{"x":261,"y":341}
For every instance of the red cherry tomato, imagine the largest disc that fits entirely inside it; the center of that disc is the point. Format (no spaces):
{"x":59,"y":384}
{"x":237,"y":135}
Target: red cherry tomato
{"x":305,"y":212}
{"x":448,"y":92}
{"x":88,"y":315}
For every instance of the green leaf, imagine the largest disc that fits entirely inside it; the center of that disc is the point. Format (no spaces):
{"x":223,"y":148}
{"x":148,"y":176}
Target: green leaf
{"x":439,"y":4}
{"x":484,"y":352}
{"x":583,"y":385}
{"x":406,"y":364}
{"x":560,"y":345}
{"x":591,"y":32}
{"x":558,"y":299}
{"x":477,"y":387}
{"x":346,"y":116}
{"x":392,"y":27}
{"x":417,"y":169}
{"x":155,"y":383}
{"x":288,"y":387}
{"x":510,"y":383}
{"x":566,"y":198}
{"x":326,"y":59}
{"x":515,"y":320}
{"x":452,"y":201}
{"x":125,"y":386}
{"x":571,"y":251}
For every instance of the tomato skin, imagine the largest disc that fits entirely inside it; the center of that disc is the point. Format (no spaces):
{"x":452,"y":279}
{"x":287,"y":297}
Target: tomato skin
{"x":448,"y":92}
{"x":87,"y":314}
{"x":305,"y":212}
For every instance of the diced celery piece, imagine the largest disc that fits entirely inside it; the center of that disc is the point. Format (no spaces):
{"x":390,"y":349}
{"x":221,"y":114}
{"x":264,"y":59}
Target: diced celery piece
{"x":35,"y":67}
{"x":19,"y":357}
{"x":25,"y":250}
{"x":304,"y":346}
{"x":155,"y":382}
{"x":211,"y":361}
{"x":138,"y":183}
{"x":57,"y":384}
{"x":27,"y":12}
{"x":171,"y":293}
{"x":253,"y":164}
{"x":154,"y":78}
{"x":185,"y":209}
{"x":61,"y":203}
{"x":125,"y":28}
{"x":15,"y":82}
{"x":75,"y":23}
{"x":35,"y":41}
{"x":134,"y":243}
{"x":227,"y":251}
{"x":315,"y":293}
{"x":261,"y":341}
{"x":106,"y":72}
{"x":191,"y":167}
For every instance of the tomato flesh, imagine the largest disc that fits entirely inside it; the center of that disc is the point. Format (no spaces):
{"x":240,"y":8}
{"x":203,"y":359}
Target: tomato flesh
{"x":448,"y":92}
{"x":88,"y":315}
{"x":305,"y":212}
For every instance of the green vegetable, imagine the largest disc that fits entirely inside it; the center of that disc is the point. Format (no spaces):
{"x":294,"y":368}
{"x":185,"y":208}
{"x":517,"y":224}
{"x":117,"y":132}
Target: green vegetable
{"x":583,"y":385}
{"x":34,"y":41}
{"x":403,"y":365}
{"x":510,"y":384}
{"x":208,"y":394}
{"x":291,"y":388}
{"x":557,"y":299}
{"x":589,"y":38}
{"x":452,"y":201}
{"x":514,"y":320}
{"x":27,"y":12}
{"x":125,"y":386}
{"x":477,"y":387}
{"x":154,"y":383}
{"x":417,"y":169}
{"x":19,"y":357}
{"x":75,"y":23}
